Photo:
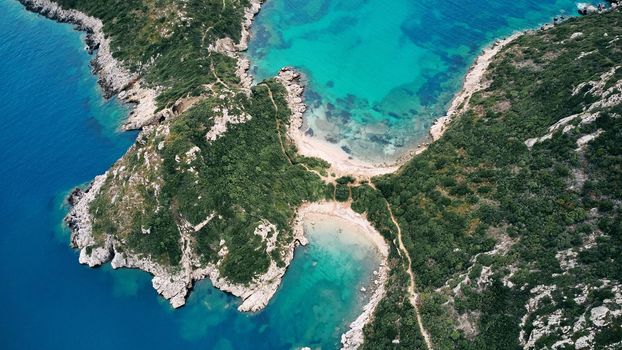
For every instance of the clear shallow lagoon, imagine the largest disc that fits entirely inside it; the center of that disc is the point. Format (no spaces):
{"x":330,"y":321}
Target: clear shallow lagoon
{"x":380,"y":72}
{"x":56,"y":133}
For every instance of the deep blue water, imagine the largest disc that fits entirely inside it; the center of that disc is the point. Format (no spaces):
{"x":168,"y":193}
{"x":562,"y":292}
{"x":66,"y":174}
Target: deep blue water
{"x":57,"y":132}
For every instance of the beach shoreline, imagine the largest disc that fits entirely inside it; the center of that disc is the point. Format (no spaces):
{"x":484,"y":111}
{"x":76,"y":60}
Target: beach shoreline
{"x":356,"y":223}
{"x":472,"y":83}
{"x":342,"y":164}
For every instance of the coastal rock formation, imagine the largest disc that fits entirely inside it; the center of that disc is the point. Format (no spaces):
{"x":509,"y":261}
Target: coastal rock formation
{"x":96,"y":249}
{"x":342,"y":164}
{"x":113,"y":78}
{"x":79,"y":221}
{"x":227,"y":47}
{"x":173,"y":283}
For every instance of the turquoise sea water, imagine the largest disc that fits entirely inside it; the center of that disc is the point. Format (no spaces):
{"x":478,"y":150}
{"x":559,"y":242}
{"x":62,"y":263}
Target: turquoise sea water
{"x":380,"y":72}
{"x":56,"y":133}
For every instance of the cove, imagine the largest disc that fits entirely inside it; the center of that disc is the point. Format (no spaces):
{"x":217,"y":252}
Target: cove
{"x":380,"y":72}
{"x":57,"y":133}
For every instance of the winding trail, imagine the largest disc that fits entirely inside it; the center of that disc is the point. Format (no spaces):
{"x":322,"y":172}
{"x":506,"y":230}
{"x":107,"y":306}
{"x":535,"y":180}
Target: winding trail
{"x":278,"y":125}
{"x":280,"y":136}
{"x":413,"y":296}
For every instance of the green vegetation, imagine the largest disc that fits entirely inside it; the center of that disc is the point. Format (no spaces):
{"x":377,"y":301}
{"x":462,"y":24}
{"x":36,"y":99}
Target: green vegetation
{"x":167,"y":41}
{"x":342,"y":193}
{"x":241,"y":188}
{"x":175,"y":186}
{"x":481,"y":188}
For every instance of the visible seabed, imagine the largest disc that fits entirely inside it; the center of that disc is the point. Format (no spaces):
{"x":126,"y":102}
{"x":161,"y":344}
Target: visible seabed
{"x":379,"y":74}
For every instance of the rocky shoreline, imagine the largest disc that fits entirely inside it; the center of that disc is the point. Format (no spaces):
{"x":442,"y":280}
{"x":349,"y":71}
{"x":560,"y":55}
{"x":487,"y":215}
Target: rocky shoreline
{"x":113,"y":78}
{"x":341,"y":163}
{"x":227,"y":47}
{"x":173,"y":283}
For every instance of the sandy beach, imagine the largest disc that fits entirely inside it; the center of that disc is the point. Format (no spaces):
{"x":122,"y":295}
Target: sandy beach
{"x":355,"y":227}
{"x":342,"y":163}
{"x":321,"y":213}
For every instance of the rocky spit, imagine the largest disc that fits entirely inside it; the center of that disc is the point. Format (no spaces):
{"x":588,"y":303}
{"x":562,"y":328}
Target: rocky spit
{"x":112,"y":76}
{"x":173,"y":283}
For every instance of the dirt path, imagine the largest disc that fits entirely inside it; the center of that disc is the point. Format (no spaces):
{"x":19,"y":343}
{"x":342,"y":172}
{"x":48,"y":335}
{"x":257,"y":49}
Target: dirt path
{"x":278,"y":129}
{"x":413,"y":296}
{"x":278,"y":125}
{"x":217,"y":77}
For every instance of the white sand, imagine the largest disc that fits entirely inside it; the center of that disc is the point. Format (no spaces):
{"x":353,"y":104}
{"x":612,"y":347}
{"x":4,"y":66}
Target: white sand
{"x":342,"y":163}
{"x":347,"y":219}
{"x":329,"y":213}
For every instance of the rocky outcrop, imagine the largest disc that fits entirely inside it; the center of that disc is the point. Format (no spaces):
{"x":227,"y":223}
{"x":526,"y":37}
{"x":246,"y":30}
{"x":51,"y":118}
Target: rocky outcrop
{"x":92,"y":253}
{"x":112,"y":76}
{"x":606,"y":93}
{"x":355,"y":337}
{"x":173,"y":283}
{"x":291,"y":80}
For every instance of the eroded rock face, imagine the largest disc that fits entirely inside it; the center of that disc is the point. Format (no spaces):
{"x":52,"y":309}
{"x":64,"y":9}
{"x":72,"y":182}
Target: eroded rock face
{"x":92,"y":253}
{"x":112,"y":76}
{"x":173,"y":283}
{"x":290,"y":79}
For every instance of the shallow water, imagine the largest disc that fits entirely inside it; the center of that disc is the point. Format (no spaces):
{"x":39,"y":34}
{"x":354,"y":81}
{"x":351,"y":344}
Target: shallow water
{"x":56,"y":133}
{"x":380,"y":72}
